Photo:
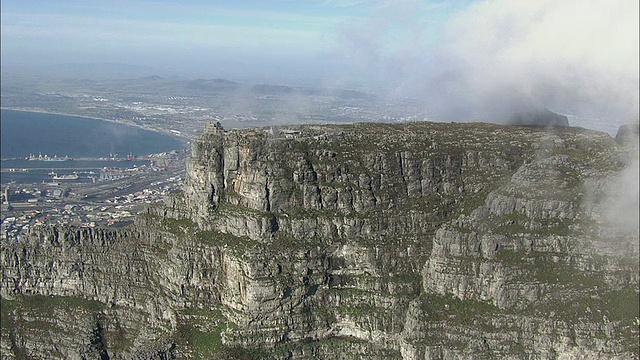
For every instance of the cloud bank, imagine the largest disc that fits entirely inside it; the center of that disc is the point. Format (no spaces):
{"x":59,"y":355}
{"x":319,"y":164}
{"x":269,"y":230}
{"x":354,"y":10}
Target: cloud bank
{"x":578,"y":58}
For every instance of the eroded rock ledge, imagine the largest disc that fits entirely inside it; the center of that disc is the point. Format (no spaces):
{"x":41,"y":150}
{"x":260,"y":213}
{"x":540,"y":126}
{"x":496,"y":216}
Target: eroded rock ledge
{"x":422,"y":240}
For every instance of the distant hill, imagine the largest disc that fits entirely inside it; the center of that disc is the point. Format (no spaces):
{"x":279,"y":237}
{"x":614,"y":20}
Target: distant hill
{"x":150,"y":78}
{"x":210,"y":84}
{"x":267,"y":89}
{"x":538,"y":117}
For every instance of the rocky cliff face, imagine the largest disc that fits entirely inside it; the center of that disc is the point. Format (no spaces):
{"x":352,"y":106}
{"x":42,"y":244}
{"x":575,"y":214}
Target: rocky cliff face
{"x":416,"y":241}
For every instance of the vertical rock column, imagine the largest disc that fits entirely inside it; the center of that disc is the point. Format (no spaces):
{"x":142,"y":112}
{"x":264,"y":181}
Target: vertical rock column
{"x":204,"y":182}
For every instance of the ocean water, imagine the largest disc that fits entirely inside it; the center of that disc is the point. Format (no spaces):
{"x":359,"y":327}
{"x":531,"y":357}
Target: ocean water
{"x":25,"y":133}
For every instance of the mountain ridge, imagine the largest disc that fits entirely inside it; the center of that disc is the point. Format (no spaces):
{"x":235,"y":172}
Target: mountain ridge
{"x":416,"y":240}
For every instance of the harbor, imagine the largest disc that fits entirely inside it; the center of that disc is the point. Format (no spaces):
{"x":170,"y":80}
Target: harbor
{"x":23,"y":171}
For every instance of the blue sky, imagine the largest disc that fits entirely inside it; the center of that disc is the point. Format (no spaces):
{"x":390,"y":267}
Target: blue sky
{"x":193,"y":33}
{"x":268,"y":40}
{"x":577,"y":57}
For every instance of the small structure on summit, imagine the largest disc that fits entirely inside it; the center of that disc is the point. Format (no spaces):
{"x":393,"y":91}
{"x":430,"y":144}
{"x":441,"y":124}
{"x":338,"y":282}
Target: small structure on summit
{"x":211,"y":128}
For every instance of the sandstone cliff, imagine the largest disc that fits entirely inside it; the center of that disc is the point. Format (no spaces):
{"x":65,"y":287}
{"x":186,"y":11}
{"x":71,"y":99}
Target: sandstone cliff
{"x":415,"y":241}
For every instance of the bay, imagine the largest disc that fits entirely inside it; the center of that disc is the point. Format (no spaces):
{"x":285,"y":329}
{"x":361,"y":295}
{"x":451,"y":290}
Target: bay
{"x":24,"y":133}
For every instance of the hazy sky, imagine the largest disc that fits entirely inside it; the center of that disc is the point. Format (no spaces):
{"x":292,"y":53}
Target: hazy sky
{"x":207,"y":37}
{"x":572,"y":56}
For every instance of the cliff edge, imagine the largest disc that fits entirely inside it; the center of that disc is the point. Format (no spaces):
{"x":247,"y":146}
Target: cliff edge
{"x":414,"y":241}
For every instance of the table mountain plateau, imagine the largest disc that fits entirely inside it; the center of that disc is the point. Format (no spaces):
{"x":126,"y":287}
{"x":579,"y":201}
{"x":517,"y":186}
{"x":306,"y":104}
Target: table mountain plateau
{"x":415,"y":241}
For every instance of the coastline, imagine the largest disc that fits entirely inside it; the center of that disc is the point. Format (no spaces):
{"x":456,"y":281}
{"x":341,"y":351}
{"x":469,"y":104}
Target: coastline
{"x":121,"y":137}
{"x":39,"y":111}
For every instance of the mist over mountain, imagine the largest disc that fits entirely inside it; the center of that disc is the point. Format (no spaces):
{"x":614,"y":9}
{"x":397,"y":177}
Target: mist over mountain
{"x":578,"y":59}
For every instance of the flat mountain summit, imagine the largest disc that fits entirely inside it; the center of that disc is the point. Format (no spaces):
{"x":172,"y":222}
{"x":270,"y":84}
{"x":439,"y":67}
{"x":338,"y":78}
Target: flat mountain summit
{"x":409,"y":241}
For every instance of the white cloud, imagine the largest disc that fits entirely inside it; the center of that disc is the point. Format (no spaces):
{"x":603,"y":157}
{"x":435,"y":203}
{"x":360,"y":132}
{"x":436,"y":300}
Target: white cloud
{"x":575,"y":57}
{"x":578,"y":57}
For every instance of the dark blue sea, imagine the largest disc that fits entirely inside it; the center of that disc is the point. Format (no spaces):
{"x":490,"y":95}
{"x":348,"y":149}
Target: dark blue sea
{"x":29,"y":133}
{"x":25,"y":133}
